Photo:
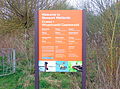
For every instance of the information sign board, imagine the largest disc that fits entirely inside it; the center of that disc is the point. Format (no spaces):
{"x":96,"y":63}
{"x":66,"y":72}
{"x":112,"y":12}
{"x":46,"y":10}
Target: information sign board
{"x":60,"y":40}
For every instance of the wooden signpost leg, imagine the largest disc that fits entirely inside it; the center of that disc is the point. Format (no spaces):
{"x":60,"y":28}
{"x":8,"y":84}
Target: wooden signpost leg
{"x":36,"y":53}
{"x":84,"y":52}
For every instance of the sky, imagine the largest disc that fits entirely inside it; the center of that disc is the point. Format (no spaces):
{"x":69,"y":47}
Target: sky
{"x":77,"y":3}
{"x":80,"y":4}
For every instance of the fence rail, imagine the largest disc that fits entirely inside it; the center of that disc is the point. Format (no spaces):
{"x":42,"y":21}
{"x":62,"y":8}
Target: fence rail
{"x":7,"y":61}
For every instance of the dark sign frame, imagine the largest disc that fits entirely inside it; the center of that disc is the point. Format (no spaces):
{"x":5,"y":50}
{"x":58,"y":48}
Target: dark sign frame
{"x":37,"y":51}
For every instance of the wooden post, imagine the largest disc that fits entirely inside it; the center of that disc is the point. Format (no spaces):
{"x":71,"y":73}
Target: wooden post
{"x":84,"y":52}
{"x":36,"y":52}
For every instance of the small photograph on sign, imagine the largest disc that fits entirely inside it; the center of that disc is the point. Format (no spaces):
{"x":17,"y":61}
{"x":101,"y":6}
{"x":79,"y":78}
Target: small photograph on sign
{"x":75,"y":66}
{"x":47,"y":66}
{"x":62,"y":66}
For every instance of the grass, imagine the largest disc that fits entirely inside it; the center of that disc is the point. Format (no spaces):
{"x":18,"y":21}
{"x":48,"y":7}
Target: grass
{"x":10,"y":82}
{"x":19,"y":80}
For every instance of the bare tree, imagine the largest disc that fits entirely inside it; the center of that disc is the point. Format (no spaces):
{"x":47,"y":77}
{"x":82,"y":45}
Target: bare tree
{"x":24,"y":10}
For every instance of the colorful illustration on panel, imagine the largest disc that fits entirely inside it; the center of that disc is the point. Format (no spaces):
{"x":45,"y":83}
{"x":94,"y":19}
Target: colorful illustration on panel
{"x":75,"y":66}
{"x":62,"y":66}
{"x":47,"y":66}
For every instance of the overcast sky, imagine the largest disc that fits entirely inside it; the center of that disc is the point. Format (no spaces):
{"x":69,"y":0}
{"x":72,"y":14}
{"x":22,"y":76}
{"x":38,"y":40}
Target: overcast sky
{"x":77,"y":3}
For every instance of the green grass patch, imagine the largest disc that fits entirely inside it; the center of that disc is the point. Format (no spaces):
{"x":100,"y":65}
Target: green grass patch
{"x":21,"y":80}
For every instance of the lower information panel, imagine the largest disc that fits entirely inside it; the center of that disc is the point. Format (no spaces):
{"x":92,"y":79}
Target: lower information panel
{"x":60,"y":66}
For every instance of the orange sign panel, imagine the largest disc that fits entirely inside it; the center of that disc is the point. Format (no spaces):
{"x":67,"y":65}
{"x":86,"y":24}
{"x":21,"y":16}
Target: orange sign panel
{"x":60,"y":35}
